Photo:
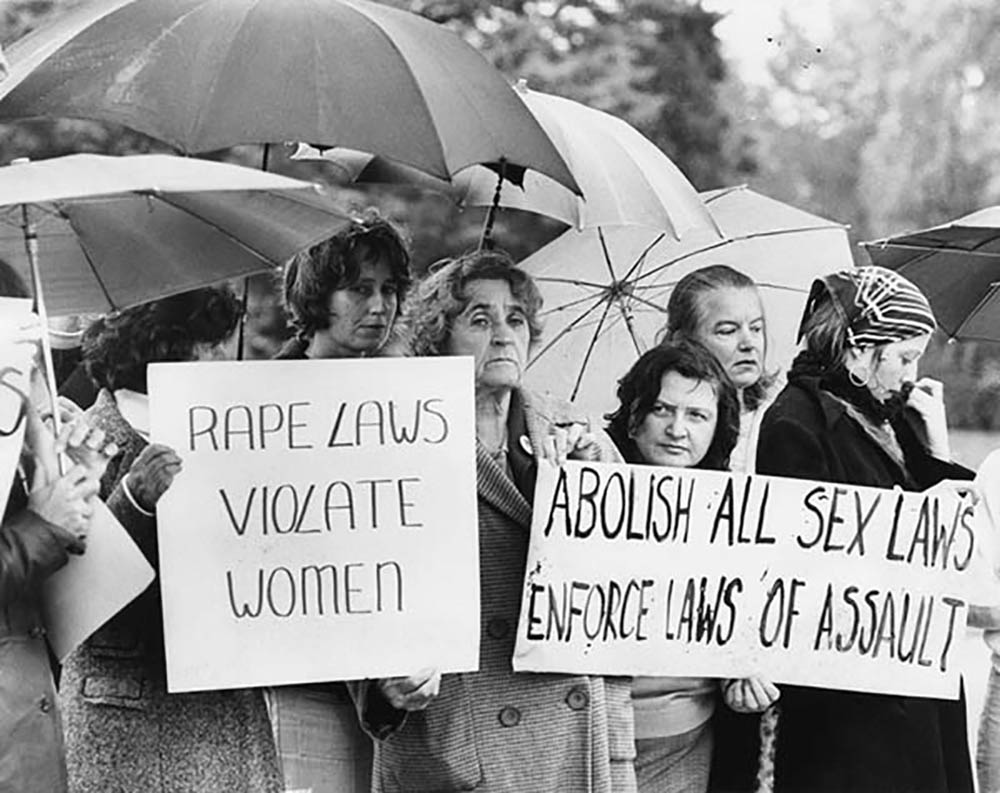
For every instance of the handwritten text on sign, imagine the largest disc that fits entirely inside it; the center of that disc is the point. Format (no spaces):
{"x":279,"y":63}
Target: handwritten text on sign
{"x":668,"y":571}
{"x":324,"y":520}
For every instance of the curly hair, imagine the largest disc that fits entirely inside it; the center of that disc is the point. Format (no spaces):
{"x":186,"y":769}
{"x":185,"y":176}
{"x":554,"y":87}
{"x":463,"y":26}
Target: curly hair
{"x":441,"y":297}
{"x":117,"y":347}
{"x":639,"y":389}
{"x":685,"y":311}
{"x":335,"y":263}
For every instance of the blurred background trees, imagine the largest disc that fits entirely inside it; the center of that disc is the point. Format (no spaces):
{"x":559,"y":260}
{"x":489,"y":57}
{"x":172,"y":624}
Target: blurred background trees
{"x":887,"y":125}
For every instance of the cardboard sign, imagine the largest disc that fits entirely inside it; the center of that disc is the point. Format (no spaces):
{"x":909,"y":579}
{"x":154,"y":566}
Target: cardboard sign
{"x":324,"y":524}
{"x":90,"y":589}
{"x":671,"y":571}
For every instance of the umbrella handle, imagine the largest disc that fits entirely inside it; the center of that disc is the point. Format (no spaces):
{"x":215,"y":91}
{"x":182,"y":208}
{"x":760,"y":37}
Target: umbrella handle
{"x":31,"y":247}
{"x":486,"y":238}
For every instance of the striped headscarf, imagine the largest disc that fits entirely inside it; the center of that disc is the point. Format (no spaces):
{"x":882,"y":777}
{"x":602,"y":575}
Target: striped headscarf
{"x":879,"y":306}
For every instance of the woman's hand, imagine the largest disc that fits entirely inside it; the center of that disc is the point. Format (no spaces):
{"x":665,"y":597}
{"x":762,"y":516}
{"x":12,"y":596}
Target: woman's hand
{"x":66,"y":501}
{"x":84,"y":444}
{"x":927,"y":400}
{"x":151,"y":474}
{"x":752,"y":694}
{"x":411,"y":693}
{"x":572,"y":441}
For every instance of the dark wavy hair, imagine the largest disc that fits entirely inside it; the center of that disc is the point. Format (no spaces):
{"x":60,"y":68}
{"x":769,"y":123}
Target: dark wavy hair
{"x":117,"y":347}
{"x":685,"y":313}
{"x":335,"y":263}
{"x":441,"y":297}
{"x":639,"y":389}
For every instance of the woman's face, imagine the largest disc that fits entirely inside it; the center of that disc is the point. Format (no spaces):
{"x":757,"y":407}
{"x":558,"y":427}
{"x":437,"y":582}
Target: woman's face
{"x":493,"y":329}
{"x":361,"y":314}
{"x":894,"y":364}
{"x":731,"y":325}
{"x":679,"y":429}
{"x":223,"y":351}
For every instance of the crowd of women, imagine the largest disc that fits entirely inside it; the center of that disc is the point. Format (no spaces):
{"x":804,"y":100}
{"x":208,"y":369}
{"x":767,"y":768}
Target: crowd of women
{"x":852,"y":409}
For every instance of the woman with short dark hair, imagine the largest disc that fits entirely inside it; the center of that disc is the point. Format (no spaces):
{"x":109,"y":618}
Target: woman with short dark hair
{"x":124,"y":731}
{"x":679,"y":408}
{"x":496,"y":730}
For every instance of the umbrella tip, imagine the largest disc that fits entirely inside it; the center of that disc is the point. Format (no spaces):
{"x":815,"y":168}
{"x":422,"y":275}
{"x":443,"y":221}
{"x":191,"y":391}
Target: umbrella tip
{"x":521,"y":86}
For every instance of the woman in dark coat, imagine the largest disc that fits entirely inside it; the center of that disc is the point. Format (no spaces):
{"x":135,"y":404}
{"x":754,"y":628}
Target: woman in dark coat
{"x":854,"y":412}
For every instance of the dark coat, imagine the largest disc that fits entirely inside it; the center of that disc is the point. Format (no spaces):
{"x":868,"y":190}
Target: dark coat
{"x":31,"y":742}
{"x":841,"y":741}
{"x":496,"y":730}
{"x":124,"y":732}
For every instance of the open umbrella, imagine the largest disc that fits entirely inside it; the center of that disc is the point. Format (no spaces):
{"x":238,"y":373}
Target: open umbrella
{"x":957,"y":265}
{"x":606,"y":289}
{"x":96,"y":233}
{"x":625,"y":178}
{"x":209,"y":74}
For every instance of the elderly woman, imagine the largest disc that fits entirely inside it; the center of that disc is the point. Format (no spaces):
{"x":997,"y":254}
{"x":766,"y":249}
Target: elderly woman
{"x":344,"y":297}
{"x":678,"y":408}
{"x":854,"y":412}
{"x":47,"y":517}
{"x":496,"y":730}
{"x":123,"y":731}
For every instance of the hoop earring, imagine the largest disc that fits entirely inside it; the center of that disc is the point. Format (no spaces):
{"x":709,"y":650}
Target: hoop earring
{"x":856,"y":379}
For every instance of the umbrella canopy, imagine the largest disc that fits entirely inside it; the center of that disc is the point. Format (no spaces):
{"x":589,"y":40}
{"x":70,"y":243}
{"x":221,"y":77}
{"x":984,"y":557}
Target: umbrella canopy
{"x":624,"y":177}
{"x":606,"y":289}
{"x":209,"y":74}
{"x":957,"y":266}
{"x":113,"y":232}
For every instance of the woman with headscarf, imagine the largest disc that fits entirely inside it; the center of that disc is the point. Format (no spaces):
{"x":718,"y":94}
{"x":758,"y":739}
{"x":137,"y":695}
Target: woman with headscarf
{"x":855,"y":412}
{"x":496,"y":730}
{"x":124,"y":731}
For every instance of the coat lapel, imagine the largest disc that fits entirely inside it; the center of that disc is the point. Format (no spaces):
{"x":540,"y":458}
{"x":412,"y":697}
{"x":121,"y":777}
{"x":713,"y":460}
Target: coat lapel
{"x":497,"y":488}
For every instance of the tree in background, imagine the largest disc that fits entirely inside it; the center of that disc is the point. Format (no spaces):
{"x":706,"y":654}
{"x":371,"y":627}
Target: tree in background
{"x":655,"y":63}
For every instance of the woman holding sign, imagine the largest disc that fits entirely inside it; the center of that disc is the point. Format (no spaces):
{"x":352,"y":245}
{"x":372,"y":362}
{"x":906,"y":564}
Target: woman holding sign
{"x":124,"y":732}
{"x":854,"y":412}
{"x":46,"y":518}
{"x":344,"y":296}
{"x":495,"y":730}
{"x":677,"y":407}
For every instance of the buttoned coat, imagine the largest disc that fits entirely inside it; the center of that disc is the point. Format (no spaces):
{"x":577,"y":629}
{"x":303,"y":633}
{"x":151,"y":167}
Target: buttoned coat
{"x":124,"y":732}
{"x":844,"y":741}
{"x":496,"y":730}
{"x":31,"y":742}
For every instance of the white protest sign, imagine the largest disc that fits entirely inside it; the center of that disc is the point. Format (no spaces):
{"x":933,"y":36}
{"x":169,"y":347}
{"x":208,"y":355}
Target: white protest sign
{"x":671,"y":571}
{"x":324,"y":524}
{"x":90,"y":589}
{"x":15,"y":369}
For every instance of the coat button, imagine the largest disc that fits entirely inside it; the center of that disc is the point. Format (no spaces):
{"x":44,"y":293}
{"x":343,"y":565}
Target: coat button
{"x":510,"y":717}
{"x":497,"y":627}
{"x":577,"y":698}
{"x":44,"y":705}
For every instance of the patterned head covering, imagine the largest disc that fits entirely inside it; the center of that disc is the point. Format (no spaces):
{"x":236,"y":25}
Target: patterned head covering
{"x":879,"y":306}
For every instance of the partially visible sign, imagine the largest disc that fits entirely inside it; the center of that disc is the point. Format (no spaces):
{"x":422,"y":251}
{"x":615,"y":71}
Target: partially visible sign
{"x":16,"y":357}
{"x":638,"y":570}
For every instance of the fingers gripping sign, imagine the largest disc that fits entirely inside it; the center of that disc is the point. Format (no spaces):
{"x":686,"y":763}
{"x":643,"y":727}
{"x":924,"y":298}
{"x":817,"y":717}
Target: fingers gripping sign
{"x":415,"y":692}
{"x":152,"y":473}
{"x":570,"y":441}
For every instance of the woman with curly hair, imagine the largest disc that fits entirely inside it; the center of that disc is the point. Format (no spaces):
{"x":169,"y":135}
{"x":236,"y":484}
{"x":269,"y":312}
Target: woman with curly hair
{"x":496,"y":730}
{"x":344,"y":296}
{"x":124,"y":732}
{"x":678,"y":408}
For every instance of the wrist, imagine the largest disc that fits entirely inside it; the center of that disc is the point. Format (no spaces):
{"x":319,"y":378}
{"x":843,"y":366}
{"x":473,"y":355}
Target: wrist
{"x":134,"y":500}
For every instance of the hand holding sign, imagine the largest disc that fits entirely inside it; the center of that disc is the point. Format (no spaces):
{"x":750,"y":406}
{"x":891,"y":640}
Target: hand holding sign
{"x":927,"y":400}
{"x":65,"y":501}
{"x":570,"y":441}
{"x":752,"y":694}
{"x":152,"y":473}
{"x":411,"y":693}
